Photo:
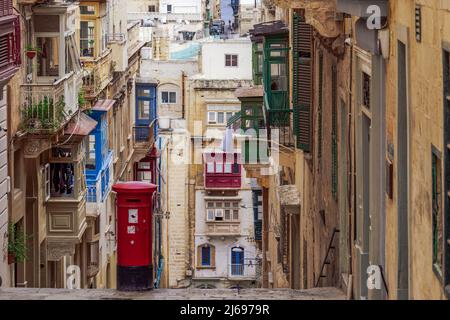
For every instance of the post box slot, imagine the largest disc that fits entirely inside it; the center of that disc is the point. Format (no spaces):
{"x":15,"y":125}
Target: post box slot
{"x":133,"y":200}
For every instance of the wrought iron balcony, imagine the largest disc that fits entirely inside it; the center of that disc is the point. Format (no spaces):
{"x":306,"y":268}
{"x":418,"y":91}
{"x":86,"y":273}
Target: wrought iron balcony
{"x":248,"y":269}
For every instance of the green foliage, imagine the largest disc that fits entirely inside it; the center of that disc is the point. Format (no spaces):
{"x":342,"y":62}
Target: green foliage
{"x":17,"y":243}
{"x":28,"y":47}
{"x":81,"y":99}
{"x":45,"y":114}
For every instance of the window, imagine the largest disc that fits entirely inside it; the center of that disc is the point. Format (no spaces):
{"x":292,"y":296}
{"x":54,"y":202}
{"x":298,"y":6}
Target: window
{"x":437,"y":222}
{"x":48,"y":59}
{"x":17,"y":170}
{"x":222,"y":163}
{"x":220,"y":117}
{"x":169,"y":8}
{"x":90,"y":152}
{"x":231,"y":60}
{"x":206,"y":256}
{"x":62,"y":179}
{"x":144,"y":110}
{"x":212,"y":117}
{"x":278,"y":77}
{"x":168,"y":97}
{"x":90,"y":10}
{"x":46,"y":178}
{"x":87,"y":36}
{"x":222,"y":211}
{"x":366,"y":90}
{"x":152,"y":8}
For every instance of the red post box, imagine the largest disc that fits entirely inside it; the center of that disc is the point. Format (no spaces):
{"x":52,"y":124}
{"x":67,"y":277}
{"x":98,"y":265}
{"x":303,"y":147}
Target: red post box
{"x":134,"y":235}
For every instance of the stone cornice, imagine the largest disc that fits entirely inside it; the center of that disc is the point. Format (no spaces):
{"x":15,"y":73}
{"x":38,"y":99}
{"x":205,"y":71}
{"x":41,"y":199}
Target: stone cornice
{"x":319,"y":13}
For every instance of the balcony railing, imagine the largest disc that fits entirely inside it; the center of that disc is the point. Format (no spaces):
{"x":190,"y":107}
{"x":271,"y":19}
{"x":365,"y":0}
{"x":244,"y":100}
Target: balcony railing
{"x":223,"y":228}
{"x":45,"y":108}
{"x":99,"y":75}
{"x":42,"y":107}
{"x":223,"y":180}
{"x":248,"y":269}
{"x":116,"y":37}
{"x":144,"y":136}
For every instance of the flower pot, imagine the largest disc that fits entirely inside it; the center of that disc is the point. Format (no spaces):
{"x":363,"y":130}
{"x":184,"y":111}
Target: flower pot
{"x":11,"y":258}
{"x":31,"y":54}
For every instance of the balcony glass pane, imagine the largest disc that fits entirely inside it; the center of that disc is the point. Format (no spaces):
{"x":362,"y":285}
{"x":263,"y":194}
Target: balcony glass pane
{"x":62,"y":179}
{"x":48,"y":59}
{"x":90,"y":161}
{"x":87,"y":36}
{"x":144,"y":110}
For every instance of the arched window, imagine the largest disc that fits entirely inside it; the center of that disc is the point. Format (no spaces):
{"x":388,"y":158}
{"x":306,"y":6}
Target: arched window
{"x":206,"y":256}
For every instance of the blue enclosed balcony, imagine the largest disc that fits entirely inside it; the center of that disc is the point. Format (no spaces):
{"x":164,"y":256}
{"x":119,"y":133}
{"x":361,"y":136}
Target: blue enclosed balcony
{"x":98,"y":157}
{"x":145,"y":129}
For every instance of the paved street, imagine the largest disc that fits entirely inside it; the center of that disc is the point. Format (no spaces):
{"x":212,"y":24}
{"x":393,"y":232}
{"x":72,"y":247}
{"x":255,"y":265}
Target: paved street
{"x":172,"y":294}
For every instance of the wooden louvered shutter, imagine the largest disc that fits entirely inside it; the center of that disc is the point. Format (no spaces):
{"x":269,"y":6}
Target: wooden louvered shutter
{"x":302,"y":81}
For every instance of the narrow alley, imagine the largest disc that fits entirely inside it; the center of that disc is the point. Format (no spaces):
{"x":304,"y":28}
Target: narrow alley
{"x":225,"y":149}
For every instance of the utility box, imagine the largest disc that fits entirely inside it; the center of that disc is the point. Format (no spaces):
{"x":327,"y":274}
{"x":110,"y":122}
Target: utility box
{"x":134,"y":235}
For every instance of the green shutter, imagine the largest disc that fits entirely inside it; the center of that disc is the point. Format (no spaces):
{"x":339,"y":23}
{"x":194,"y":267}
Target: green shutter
{"x":319,"y":109}
{"x":302,"y":81}
{"x":334,"y":137}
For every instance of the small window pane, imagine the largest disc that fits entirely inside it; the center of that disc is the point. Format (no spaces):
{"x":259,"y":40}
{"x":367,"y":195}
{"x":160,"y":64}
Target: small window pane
{"x":227,"y":168}
{"x":210,"y":167}
{"x":144,"y":165}
{"x":210,"y":204}
{"x":172,"y":97}
{"x":210,"y":215}
{"x":227,"y":215}
{"x":220,"y":117}
{"x":219,"y":168}
{"x":235,"y":214}
{"x":165,"y":97}
{"x":206,"y":256}
{"x":144,"y":109}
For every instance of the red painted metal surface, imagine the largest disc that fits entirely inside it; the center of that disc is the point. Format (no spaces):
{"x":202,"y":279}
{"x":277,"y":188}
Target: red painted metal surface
{"x":9,"y":45}
{"x":220,"y":179}
{"x":134,"y":223}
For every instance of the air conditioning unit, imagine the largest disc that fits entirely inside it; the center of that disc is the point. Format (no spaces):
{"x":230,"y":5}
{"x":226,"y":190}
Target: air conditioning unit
{"x":219,"y":213}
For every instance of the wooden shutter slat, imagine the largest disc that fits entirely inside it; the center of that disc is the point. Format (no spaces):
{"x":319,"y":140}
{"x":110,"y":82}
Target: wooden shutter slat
{"x":302,"y":81}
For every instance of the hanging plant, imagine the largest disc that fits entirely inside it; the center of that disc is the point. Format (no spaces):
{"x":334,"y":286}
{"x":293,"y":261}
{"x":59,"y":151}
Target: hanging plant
{"x":17,"y":245}
{"x":31,"y":51}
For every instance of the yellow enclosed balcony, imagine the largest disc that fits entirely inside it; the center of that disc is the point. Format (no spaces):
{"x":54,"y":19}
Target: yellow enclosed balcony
{"x":98,"y":74}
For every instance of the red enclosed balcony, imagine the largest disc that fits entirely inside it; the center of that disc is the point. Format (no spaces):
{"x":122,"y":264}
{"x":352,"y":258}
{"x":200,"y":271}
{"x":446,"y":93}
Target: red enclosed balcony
{"x":222,"y":171}
{"x":9,"y":41}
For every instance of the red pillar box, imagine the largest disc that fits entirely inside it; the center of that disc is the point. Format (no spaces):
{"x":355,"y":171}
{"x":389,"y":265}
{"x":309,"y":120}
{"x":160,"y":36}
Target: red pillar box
{"x":134,"y":235}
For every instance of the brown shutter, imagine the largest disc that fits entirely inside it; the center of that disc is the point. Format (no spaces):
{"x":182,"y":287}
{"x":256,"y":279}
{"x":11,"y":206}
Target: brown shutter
{"x":213,"y":256}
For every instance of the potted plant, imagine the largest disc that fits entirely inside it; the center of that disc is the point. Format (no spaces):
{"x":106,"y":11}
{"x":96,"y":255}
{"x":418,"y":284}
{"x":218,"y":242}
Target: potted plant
{"x":31,"y":51}
{"x":17,"y":245}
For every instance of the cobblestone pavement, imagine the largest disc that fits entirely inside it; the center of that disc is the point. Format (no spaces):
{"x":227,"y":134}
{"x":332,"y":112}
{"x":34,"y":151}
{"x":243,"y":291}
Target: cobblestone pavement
{"x":171,"y":294}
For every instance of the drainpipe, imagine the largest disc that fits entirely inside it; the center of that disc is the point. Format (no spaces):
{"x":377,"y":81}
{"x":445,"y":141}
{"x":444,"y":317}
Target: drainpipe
{"x":183,"y":79}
